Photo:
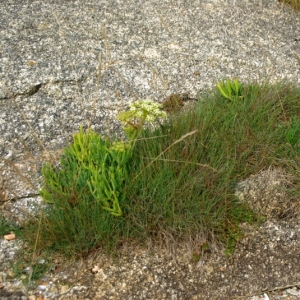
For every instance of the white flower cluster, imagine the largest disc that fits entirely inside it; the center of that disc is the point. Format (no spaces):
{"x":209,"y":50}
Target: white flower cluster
{"x":147,"y":110}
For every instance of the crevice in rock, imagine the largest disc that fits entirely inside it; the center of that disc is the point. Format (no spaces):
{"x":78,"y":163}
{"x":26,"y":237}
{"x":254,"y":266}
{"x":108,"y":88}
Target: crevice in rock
{"x":34,"y":89}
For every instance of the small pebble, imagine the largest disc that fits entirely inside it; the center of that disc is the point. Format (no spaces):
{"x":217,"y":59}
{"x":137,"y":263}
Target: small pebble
{"x":42,"y":287}
{"x":266,"y":297}
{"x":293,"y":292}
{"x":63,"y":288}
{"x":54,"y":290}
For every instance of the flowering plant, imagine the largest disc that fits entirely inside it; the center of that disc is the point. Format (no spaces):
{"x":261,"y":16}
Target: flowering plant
{"x":140,"y":113}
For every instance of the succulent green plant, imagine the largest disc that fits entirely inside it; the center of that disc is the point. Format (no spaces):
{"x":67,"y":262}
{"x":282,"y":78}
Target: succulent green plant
{"x":92,"y":165}
{"x":230,"y":89}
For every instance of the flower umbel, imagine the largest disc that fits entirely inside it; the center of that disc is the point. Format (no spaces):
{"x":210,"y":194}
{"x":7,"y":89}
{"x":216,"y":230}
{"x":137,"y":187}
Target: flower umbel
{"x":140,"y":112}
{"x":147,"y":110}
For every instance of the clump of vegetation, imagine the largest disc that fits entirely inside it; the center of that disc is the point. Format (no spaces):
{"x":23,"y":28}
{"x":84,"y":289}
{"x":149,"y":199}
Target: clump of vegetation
{"x":173,"y":104}
{"x":294,"y":3}
{"x":92,"y":167}
{"x":86,"y":190}
{"x":175,"y":179}
{"x":7,"y":227}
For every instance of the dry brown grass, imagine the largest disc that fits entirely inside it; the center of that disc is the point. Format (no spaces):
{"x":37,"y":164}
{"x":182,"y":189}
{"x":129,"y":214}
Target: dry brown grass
{"x":294,"y":3}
